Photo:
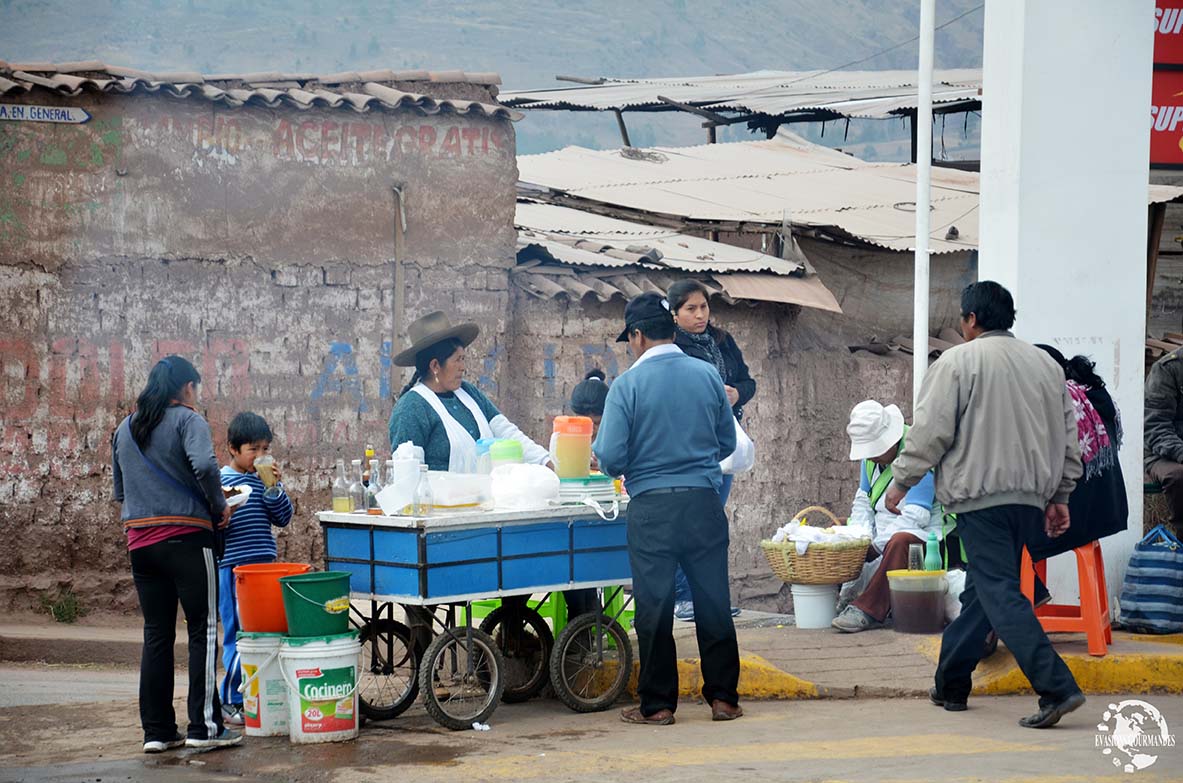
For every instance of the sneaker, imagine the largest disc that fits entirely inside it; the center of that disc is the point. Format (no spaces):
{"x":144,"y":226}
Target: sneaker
{"x":232,"y":715}
{"x":226,"y":739}
{"x":159,"y":746}
{"x":853,"y":620}
{"x":684,"y":610}
{"x":735,"y":610}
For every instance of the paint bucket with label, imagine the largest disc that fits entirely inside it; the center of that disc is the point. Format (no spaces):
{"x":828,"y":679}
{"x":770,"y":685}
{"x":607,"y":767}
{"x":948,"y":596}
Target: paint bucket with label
{"x":321,"y":674}
{"x":316,"y":603}
{"x":265,"y":694}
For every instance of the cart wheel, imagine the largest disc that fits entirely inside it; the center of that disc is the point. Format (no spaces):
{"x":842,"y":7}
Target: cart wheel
{"x":525,"y":642}
{"x":591,"y":663}
{"x":389,"y":676}
{"x":459,"y":691}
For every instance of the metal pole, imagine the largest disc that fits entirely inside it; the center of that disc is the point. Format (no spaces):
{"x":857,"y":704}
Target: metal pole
{"x":923,"y":198}
{"x":623,"y":128}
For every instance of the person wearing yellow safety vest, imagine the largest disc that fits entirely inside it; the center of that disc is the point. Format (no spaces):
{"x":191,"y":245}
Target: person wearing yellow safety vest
{"x":877,"y":434}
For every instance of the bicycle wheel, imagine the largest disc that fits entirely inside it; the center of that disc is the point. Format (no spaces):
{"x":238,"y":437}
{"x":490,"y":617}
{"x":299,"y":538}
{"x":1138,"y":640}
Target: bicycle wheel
{"x":459,"y":688}
{"x":525,"y":642}
{"x":389,"y":675}
{"x":591,"y":663}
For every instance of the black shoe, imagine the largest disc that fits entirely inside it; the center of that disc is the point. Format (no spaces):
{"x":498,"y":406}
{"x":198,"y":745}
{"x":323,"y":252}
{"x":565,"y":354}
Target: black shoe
{"x":940,"y":701}
{"x":1050,"y":715}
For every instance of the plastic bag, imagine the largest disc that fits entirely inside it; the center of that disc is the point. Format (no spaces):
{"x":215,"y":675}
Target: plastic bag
{"x":743,"y":458}
{"x":956,"y":581}
{"x":524,"y":488}
{"x":1152,"y":594}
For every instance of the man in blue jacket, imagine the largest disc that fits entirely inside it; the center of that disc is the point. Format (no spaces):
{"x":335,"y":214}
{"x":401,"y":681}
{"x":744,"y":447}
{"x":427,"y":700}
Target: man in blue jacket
{"x":667,"y":424}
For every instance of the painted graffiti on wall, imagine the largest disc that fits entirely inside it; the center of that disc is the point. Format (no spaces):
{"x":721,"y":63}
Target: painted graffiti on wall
{"x":331,"y":142}
{"x":65,"y":396}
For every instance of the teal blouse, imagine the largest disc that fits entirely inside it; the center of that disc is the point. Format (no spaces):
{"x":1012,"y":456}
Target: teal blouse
{"x":413,"y":419}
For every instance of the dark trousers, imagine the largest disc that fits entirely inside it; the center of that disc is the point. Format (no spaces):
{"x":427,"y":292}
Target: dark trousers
{"x":681,"y":583}
{"x":1170,"y":476}
{"x":994,"y":540}
{"x":179,"y":569}
{"x":665,"y":530}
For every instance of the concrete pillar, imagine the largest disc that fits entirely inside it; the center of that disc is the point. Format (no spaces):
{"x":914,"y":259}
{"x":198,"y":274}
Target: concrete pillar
{"x":1065,"y":158}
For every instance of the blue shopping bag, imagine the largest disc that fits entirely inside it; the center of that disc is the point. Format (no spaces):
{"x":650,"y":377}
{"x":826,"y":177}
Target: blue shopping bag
{"x":1152,"y":594}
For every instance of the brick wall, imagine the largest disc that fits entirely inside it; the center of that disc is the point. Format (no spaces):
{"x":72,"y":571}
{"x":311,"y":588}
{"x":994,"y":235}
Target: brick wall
{"x":257,"y":243}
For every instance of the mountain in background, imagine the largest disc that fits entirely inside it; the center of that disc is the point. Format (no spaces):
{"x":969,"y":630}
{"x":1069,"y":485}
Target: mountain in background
{"x":528,"y":43}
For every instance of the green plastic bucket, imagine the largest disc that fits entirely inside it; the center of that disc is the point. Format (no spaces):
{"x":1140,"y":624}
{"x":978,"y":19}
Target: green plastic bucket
{"x":316,"y":603}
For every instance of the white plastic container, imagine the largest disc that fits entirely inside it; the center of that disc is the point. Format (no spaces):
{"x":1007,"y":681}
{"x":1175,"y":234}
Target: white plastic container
{"x":321,"y":673}
{"x":265,"y":694}
{"x":814,"y":606}
{"x":460,"y":491}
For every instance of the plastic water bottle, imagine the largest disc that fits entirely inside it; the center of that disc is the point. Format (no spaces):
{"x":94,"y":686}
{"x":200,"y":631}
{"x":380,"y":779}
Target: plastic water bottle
{"x":932,"y":554}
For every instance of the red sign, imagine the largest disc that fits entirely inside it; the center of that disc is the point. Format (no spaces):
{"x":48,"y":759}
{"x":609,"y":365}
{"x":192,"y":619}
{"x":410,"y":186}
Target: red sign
{"x":1166,"y":119}
{"x":1168,"y":32}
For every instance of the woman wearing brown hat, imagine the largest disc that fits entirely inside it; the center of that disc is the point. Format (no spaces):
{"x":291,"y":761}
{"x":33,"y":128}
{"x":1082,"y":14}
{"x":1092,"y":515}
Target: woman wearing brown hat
{"x":440,"y":411}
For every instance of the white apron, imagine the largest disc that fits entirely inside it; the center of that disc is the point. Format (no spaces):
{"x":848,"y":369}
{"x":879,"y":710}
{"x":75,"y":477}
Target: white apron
{"x":462,"y":458}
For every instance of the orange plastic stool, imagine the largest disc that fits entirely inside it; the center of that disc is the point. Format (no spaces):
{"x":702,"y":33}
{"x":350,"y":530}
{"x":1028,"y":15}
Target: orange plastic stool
{"x":1092,"y":616}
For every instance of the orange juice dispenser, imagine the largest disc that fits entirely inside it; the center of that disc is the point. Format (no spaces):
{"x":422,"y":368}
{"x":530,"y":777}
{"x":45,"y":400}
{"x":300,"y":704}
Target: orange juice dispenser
{"x":570,"y":446}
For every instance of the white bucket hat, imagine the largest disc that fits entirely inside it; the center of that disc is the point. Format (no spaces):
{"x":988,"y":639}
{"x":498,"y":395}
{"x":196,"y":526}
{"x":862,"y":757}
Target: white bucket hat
{"x":874,"y":429}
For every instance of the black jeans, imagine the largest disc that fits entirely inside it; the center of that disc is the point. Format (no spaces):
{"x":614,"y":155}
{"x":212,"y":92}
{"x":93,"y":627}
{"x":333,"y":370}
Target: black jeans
{"x":183,"y":569}
{"x":994,"y":539}
{"x":665,"y":530}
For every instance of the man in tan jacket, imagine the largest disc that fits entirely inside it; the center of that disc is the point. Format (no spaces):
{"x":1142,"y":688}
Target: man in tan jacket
{"x":996,"y":421}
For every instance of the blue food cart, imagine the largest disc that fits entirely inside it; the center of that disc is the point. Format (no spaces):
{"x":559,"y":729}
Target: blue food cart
{"x":414,"y":581}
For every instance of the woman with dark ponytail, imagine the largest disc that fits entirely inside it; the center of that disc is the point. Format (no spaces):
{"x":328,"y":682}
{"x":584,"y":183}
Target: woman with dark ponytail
{"x":588,"y":396}
{"x":1098,"y":506}
{"x":167,"y":480}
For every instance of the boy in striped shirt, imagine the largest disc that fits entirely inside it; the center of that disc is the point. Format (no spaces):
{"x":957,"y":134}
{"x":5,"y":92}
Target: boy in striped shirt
{"x":248,"y":540}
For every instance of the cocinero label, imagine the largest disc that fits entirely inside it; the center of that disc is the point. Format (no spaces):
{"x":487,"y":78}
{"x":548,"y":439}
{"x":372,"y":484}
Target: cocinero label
{"x":326,"y":691}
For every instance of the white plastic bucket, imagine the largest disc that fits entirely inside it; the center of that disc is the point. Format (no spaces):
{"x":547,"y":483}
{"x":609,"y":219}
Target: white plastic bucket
{"x":265,"y":694}
{"x":814,"y":606}
{"x":321,"y":673}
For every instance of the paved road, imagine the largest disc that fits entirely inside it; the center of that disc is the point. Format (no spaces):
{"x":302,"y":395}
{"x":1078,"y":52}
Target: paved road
{"x":863,"y":741}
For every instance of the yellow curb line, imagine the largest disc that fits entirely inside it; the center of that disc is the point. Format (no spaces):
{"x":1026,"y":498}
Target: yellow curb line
{"x":758,"y":679}
{"x":1139,"y":672}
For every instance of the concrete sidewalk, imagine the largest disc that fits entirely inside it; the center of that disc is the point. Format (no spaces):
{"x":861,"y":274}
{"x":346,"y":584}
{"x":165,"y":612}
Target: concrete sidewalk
{"x":779,"y":660}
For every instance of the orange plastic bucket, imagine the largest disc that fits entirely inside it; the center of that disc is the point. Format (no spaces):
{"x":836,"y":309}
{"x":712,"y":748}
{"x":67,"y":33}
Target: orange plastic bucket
{"x":260,"y":595}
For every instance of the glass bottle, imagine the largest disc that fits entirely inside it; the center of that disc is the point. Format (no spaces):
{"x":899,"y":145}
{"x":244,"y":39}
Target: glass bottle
{"x":357,"y":490}
{"x":365,"y":476}
{"x":342,"y":504}
{"x":423,"y":499}
{"x":373,"y":488}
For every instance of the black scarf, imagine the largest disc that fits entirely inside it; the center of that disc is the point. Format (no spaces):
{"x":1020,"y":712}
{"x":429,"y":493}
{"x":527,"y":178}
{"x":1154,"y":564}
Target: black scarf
{"x":707,"y":342}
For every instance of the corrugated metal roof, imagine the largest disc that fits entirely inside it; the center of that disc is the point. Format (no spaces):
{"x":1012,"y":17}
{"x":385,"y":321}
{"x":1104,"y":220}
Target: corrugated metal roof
{"x":596,"y":240}
{"x":868,"y":94}
{"x":568,"y":252}
{"x":548,"y":277}
{"x":360,"y":91}
{"x":763,"y":182}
